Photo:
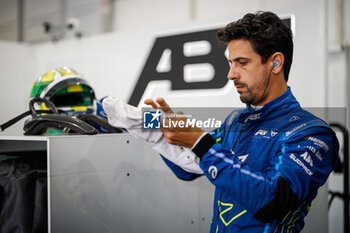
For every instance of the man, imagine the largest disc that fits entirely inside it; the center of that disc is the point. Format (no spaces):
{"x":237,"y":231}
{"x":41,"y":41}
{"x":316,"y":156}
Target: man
{"x":268,"y":160}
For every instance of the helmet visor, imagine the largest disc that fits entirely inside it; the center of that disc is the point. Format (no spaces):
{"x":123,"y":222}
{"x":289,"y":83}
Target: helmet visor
{"x":73,"y":99}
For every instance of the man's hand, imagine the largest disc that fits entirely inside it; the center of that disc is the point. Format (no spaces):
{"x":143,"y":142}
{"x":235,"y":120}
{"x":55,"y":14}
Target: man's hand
{"x":176,"y":133}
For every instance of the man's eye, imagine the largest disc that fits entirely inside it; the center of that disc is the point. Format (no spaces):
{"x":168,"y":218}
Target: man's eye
{"x":243,"y":62}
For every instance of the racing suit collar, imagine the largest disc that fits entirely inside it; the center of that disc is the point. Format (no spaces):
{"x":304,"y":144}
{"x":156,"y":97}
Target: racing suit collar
{"x":283,"y":101}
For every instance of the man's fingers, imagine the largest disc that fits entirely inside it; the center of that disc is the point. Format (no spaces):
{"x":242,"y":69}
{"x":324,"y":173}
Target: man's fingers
{"x":164,"y":105}
{"x":151,"y":102}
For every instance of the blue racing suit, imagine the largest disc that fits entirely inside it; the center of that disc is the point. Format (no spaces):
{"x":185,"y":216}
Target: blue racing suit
{"x":266,"y":165}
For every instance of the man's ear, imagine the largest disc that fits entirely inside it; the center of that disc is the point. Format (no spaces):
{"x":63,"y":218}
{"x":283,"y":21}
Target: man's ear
{"x":277,"y":62}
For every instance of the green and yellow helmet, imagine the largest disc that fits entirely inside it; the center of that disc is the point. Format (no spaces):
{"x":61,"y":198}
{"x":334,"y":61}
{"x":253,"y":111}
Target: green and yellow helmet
{"x":66,"y":88}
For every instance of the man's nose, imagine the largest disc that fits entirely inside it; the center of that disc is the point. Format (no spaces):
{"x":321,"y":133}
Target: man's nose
{"x":232,"y":73}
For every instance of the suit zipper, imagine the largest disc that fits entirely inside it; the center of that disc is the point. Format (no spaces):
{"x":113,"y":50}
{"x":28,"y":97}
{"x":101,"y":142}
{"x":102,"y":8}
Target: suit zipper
{"x":239,"y":134}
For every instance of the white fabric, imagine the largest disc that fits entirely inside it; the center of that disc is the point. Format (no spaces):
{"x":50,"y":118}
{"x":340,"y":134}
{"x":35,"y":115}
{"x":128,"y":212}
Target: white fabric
{"x":129,"y":117}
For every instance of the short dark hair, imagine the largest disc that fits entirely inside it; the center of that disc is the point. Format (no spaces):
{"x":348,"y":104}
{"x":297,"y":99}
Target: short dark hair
{"x":267,"y":33}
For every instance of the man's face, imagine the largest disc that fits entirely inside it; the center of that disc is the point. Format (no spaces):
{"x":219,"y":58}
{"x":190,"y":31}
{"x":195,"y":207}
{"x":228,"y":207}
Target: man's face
{"x":250,"y":76}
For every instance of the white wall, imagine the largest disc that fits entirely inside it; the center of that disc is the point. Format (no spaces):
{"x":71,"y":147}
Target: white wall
{"x":17,"y":67}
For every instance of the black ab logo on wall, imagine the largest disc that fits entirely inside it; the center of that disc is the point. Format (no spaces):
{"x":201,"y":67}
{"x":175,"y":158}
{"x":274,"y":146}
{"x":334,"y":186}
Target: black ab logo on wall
{"x":185,"y":53}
